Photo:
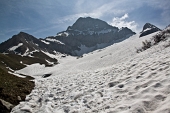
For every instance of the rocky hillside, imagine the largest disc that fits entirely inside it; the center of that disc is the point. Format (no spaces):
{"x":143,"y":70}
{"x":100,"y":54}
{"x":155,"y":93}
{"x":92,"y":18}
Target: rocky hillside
{"x":14,"y":89}
{"x":148,"y":29}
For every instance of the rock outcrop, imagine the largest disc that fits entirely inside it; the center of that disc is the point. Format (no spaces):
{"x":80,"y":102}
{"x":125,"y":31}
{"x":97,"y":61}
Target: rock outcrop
{"x":148,"y":29}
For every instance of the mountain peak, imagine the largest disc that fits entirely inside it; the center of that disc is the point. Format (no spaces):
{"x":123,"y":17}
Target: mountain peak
{"x":84,"y":23}
{"x":149,"y":28}
{"x":148,"y":25}
{"x":22,"y":36}
{"x":22,"y":33}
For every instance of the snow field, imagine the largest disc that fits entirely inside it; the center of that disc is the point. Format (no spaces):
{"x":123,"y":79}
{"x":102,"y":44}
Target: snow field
{"x":15,"y":47}
{"x":112,"y":80}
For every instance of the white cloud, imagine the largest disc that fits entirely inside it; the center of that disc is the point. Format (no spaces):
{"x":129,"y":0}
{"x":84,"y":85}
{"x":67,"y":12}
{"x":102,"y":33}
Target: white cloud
{"x":124,"y":17}
{"x":122,"y":22}
{"x":92,"y":9}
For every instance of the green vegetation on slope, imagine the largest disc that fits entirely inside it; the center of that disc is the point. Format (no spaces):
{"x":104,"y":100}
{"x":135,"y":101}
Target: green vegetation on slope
{"x":12,"y":86}
{"x":14,"y":89}
{"x":12,"y":61}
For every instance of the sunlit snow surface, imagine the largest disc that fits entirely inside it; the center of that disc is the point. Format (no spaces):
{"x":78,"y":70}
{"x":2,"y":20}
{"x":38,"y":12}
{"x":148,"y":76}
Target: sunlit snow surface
{"x":54,"y":40}
{"x":15,"y":47}
{"x":45,"y":42}
{"x":115,"y":79}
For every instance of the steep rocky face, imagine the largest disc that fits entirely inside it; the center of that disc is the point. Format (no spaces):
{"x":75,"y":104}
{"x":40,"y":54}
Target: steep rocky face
{"x":88,"y":34}
{"x":91,"y":24}
{"x":85,"y":35}
{"x":148,"y":29}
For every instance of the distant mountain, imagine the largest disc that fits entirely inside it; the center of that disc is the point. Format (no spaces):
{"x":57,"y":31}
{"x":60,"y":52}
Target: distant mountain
{"x":85,"y":35}
{"x":21,"y":43}
{"x":27,"y":45}
{"x":88,"y":34}
{"x":148,"y":29}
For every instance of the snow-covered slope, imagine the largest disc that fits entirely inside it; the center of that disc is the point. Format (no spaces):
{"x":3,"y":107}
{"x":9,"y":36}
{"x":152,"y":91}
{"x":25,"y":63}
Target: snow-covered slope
{"x":115,"y":79}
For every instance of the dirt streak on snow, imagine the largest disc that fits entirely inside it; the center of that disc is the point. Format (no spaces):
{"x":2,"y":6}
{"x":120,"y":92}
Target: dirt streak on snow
{"x":112,"y":80}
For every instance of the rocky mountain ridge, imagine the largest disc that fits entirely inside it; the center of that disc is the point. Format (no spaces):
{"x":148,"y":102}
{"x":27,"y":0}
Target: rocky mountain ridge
{"x":85,"y":35}
{"x":148,"y":29}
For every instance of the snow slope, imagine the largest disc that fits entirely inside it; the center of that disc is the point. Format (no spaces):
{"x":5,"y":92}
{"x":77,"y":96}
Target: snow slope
{"x":115,"y":79}
{"x":15,"y":47}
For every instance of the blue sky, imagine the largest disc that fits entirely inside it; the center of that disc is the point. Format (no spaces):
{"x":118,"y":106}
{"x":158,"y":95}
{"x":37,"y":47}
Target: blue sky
{"x":42,"y":18}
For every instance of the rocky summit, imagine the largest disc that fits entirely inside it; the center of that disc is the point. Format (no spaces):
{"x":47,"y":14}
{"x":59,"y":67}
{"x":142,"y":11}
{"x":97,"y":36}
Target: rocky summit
{"x":148,"y":29}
